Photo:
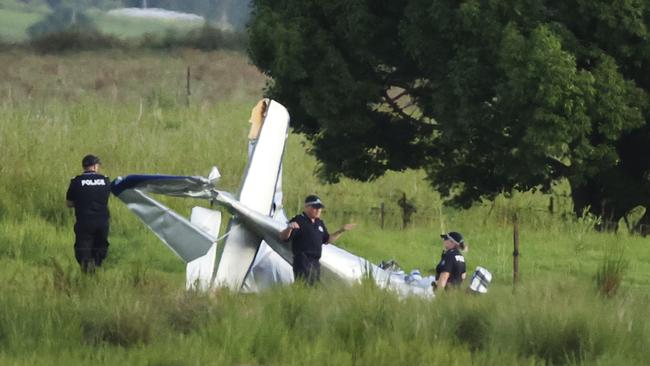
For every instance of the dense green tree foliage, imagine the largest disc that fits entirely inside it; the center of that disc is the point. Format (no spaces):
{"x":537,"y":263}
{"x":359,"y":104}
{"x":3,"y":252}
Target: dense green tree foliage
{"x":487,"y":96}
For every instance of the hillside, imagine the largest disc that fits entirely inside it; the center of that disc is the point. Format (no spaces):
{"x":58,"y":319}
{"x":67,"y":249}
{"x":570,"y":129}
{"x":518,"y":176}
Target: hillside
{"x":119,"y":18}
{"x":14,"y":24}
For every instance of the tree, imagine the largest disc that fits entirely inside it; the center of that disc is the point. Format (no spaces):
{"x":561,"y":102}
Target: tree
{"x":66,"y":16}
{"x":486,"y":96}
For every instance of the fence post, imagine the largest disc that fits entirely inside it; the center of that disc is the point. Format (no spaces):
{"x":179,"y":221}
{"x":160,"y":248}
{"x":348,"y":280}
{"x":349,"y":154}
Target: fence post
{"x":382,"y":214}
{"x":188,"y":91}
{"x":515,"y":253}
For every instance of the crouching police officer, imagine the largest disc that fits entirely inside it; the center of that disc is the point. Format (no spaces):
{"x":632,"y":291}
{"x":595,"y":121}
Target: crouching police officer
{"x":88,"y":193}
{"x":450,"y":271}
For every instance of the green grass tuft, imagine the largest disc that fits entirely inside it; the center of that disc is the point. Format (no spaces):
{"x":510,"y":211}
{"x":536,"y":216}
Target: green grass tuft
{"x":125,"y":328}
{"x":611,"y":271}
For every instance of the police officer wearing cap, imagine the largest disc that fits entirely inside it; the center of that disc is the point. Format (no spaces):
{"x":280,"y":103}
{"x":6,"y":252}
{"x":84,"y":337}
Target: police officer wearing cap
{"x":308,"y":233}
{"x":88,"y":193}
{"x":450,"y":271}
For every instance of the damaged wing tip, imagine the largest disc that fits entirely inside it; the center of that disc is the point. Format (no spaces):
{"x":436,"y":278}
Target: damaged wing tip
{"x":214,"y":176}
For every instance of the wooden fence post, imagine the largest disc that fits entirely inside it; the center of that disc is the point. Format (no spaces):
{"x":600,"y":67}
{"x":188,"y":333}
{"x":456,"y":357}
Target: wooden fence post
{"x":188,"y":91}
{"x":515,"y":253}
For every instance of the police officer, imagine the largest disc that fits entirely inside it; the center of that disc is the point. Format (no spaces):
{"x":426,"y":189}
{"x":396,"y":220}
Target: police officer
{"x":450,"y":271}
{"x":308,"y":233}
{"x":88,"y":193}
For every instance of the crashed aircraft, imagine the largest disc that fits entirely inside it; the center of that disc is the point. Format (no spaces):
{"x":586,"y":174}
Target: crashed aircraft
{"x":251,"y":256}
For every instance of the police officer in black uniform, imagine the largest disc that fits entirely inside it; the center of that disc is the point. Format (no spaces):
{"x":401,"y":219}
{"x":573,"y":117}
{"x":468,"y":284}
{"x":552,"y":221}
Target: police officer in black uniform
{"x":450,"y":271}
{"x":308,"y":233}
{"x":88,"y":193}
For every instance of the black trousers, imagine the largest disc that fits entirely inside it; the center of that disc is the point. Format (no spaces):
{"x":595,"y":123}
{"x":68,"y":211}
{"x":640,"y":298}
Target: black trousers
{"x":306,"y":268}
{"x":91,"y":242}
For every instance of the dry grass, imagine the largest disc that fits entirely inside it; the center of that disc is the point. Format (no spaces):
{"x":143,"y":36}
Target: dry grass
{"x":119,"y":77}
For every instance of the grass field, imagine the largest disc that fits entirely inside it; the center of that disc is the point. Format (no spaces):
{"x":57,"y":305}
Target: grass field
{"x":131,"y":109}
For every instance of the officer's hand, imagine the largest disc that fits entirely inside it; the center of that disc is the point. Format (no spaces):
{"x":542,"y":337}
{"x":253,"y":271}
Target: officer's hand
{"x":348,"y":227}
{"x":294,"y":225}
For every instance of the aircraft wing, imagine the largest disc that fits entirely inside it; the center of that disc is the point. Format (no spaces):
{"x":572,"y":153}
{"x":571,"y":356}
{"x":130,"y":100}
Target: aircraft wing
{"x":185,"y":239}
{"x":171,"y":185}
{"x":237,"y":254}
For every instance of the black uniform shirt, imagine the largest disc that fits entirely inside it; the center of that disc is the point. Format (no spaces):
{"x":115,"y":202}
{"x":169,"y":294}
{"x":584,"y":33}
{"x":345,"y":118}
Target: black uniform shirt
{"x":452,"y":261}
{"x":310,"y":237}
{"x":89,"y":192}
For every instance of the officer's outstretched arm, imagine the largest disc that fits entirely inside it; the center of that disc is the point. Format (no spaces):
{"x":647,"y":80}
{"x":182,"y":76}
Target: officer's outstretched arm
{"x":337,"y":234}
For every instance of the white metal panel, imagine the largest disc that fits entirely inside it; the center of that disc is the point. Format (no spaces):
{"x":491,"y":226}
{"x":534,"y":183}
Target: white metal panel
{"x":200,"y":271}
{"x":269,"y":269}
{"x":206,"y":219}
{"x":187,"y":241}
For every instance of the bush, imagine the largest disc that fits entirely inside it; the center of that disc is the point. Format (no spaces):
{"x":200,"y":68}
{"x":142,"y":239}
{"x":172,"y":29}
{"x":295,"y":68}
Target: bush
{"x":59,"y":35}
{"x":209,"y":38}
{"x":206,"y":38}
{"x":4,"y":45}
{"x":61,"y":20}
{"x":74,"y":39}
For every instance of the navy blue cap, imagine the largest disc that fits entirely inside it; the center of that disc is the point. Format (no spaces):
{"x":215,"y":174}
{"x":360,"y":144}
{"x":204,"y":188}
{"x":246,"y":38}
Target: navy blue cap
{"x":454,"y":236}
{"x":314,"y":201}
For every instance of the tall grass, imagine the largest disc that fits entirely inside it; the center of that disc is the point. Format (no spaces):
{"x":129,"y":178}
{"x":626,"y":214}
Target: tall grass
{"x":130,"y":109}
{"x":611,"y":271}
{"x":109,"y":318}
